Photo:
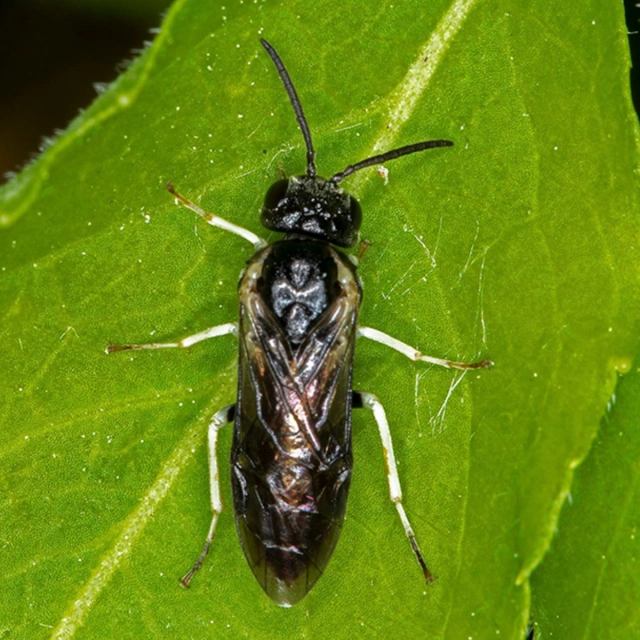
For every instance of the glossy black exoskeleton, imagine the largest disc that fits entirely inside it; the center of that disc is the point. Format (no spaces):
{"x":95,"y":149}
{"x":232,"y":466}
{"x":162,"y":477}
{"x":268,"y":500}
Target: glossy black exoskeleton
{"x":291,"y":456}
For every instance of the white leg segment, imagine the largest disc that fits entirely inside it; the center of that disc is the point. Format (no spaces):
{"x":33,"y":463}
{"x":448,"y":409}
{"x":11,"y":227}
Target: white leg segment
{"x":369,"y":401}
{"x":211,"y":332}
{"x":216,"y":221}
{"x":220,"y":419}
{"x":413,"y":354}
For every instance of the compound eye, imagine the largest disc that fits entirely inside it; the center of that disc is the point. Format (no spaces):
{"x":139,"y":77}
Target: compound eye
{"x":356,"y":215}
{"x":275,"y":194}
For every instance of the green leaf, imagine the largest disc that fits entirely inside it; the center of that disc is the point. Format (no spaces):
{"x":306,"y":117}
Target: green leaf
{"x":588,"y":586}
{"x":516,"y":244}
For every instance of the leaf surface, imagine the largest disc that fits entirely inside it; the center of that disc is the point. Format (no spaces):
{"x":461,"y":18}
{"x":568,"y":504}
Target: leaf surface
{"x":588,"y":585}
{"x":516,"y":244}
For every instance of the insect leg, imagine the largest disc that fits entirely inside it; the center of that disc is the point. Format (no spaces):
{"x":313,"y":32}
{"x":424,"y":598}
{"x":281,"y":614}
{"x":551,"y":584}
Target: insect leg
{"x":211,"y":332}
{"x":216,"y":221}
{"x":221,"y":418}
{"x":413,"y":354}
{"x":369,"y":401}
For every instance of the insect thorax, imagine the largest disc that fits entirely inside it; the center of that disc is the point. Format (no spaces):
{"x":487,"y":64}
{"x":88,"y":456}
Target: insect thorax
{"x":299,"y":282}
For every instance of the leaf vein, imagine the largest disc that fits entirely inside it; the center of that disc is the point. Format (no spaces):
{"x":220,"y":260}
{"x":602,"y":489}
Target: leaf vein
{"x":404,"y":99}
{"x":78,"y":611}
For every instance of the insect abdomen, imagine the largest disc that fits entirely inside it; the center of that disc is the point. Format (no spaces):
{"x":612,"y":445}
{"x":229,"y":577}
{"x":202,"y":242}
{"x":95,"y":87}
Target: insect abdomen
{"x":289,"y":513}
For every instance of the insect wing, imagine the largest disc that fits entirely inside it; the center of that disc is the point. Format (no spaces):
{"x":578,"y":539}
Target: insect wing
{"x":291,"y":456}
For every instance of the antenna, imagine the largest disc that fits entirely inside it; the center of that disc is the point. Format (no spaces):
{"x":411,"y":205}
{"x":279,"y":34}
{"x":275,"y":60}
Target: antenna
{"x":389,"y":155}
{"x":297,"y":106}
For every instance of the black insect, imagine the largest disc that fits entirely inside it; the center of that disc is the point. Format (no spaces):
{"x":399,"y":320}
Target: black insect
{"x":291,"y":456}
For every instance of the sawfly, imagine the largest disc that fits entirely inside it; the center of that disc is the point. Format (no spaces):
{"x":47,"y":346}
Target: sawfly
{"x":291,"y":456}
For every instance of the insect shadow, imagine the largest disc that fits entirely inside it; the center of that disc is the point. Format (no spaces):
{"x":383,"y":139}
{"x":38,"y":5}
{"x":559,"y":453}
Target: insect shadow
{"x":291,"y":456}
